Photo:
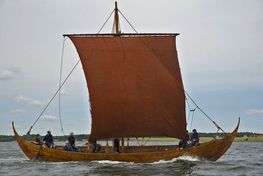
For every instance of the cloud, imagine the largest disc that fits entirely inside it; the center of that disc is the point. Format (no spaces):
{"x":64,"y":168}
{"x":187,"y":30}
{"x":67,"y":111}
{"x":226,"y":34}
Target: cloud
{"x":48,"y":117}
{"x":18,"y":111}
{"x":29,"y":101}
{"x":10,"y":73}
{"x":255,"y":112}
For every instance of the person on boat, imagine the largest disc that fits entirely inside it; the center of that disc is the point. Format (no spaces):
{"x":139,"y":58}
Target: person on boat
{"x":71,"y":140}
{"x":38,"y":140}
{"x":116,"y":145}
{"x":48,"y":140}
{"x":194,"y":138}
{"x":67,"y":146}
{"x":183,"y":142}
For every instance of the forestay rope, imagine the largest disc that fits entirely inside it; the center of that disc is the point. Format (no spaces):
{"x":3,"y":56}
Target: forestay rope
{"x":217,"y":126}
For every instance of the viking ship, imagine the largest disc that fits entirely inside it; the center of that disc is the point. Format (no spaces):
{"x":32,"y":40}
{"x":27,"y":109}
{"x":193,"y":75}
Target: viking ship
{"x":135,"y":91}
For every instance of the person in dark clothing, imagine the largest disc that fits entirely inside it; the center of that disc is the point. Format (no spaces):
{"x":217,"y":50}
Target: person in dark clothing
{"x":67,"y":146}
{"x":48,"y":140}
{"x":116,"y":144}
{"x":183,"y":142}
{"x":71,"y":139}
{"x":194,"y":138}
{"x":71,"y":143}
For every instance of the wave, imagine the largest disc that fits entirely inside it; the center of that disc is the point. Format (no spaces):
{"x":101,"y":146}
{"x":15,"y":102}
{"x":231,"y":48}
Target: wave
{"x":184,"y":158}
{"x":59,"y":162}
{"x":12,"y":159}
{"x":111,"y":162}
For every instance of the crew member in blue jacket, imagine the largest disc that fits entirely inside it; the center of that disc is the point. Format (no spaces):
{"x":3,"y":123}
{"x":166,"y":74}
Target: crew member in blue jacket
{"x":48,"y":140}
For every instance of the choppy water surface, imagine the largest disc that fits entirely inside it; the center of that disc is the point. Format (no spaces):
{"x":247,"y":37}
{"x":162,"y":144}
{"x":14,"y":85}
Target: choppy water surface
{"x":243,"y":158}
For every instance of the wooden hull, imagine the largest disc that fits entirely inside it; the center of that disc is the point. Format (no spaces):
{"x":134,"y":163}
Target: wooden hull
{"x":144,"y":154}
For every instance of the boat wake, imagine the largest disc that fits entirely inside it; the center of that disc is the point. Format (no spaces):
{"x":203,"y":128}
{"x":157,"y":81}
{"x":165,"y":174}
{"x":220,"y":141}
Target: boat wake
{"x":112,"y":162}
{"x":181,"y":158}
{"x":59,"y":162}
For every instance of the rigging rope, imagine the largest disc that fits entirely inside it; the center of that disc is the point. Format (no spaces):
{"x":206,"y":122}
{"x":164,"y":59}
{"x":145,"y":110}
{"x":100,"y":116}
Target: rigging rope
{"x":188,"y":116}
{"x":146,"y":141}
{"x":143,"y":142}
{"x":53,"y":97}
{"x":59,"y":93}
{"x":128,"y":21}
{"x":122,"y":16}
{"x":139,"y":142}
{"x":218,"y":127}
{"x":193,"y":111}
{"x":106,"y":21}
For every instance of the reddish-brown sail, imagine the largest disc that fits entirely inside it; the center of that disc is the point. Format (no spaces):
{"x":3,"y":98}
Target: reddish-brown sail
{"x":134,"y":83}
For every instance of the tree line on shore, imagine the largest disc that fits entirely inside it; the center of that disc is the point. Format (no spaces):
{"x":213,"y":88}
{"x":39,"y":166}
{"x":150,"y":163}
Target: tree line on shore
{"x":7,"y":138}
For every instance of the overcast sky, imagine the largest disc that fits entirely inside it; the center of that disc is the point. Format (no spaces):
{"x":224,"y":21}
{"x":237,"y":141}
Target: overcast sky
{"x":219,"y":48}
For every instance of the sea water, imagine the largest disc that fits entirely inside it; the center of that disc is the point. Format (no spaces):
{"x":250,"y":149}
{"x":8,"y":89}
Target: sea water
{"x":243,"y":158}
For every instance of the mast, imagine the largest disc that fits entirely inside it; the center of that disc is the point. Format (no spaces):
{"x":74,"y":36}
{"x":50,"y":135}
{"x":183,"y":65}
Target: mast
{"x":117,"y":31}
{"x":116,"y":23}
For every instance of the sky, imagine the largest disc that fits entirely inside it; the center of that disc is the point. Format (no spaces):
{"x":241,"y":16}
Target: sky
{"x":219,"y":49}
